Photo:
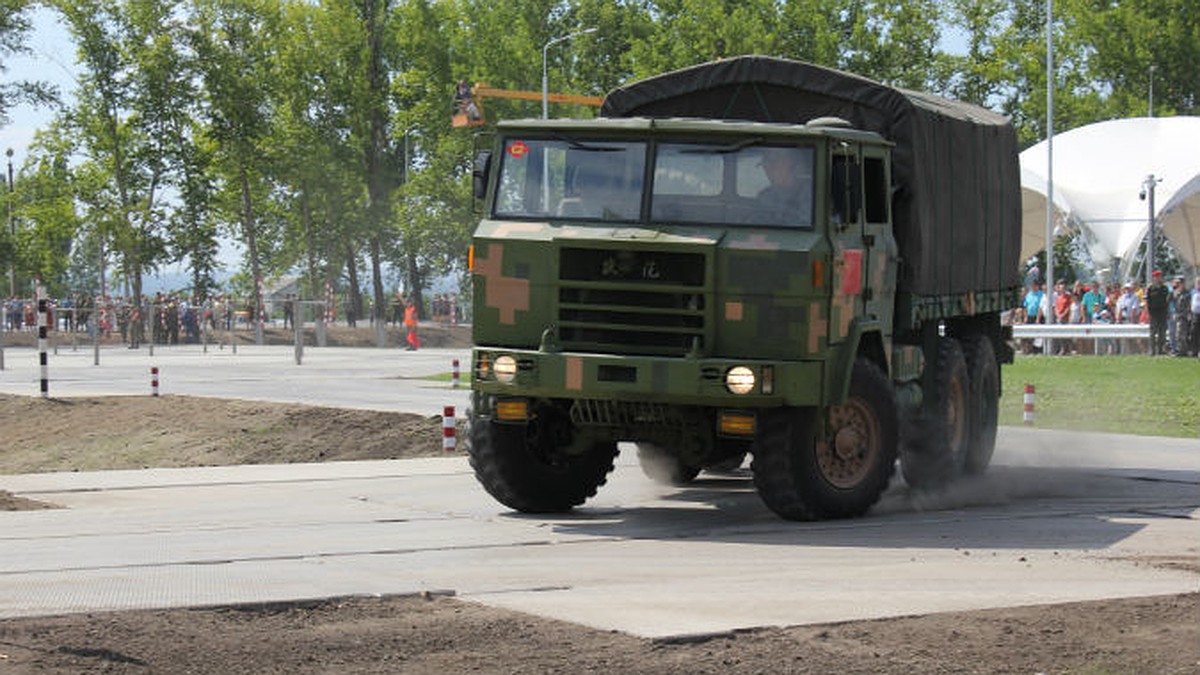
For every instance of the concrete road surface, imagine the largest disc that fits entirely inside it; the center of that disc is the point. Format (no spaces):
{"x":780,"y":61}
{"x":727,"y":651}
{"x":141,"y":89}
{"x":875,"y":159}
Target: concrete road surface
{"x":373,"y":379}
{"x":1060,"y":517}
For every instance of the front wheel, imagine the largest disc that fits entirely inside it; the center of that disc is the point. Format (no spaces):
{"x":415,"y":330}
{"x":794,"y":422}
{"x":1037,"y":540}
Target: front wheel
{"x":803,"y":474}
{"x":539,"y":466}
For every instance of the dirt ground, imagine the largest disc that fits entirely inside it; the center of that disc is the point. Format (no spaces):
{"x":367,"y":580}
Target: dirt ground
{"x":437,"y":634}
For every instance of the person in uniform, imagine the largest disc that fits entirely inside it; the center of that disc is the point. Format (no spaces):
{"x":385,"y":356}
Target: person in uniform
{"x":1158,"y":299}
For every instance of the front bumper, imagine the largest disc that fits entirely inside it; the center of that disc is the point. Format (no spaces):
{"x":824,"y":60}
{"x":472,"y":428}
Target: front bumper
{"x":677,"y":381}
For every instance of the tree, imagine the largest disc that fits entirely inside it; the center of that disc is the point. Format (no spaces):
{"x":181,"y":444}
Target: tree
{"x":14,"y":27}
{"x":232,"y":40}
{"x":129,"y":108}
{"x":47,"y":210}
{"x":1126,"y":44}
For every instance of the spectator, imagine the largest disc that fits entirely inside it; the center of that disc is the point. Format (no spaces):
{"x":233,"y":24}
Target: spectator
{"x":1093,"y":301}
{"x":1195,"y":320}
{"x":1180,"y":310}
{"x":1158,"y":299}
{"x":413,"y":343}
{"x":1062,"y":314}
{"x":1033,"y":304}
{"x":1106,"y":345}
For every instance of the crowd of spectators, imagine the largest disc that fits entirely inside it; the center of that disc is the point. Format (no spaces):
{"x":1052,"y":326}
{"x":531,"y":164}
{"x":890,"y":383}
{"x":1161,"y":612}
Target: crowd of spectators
{"x":166,"y":318}
{"x":1172,"y":312}
{"x":176,"y":318}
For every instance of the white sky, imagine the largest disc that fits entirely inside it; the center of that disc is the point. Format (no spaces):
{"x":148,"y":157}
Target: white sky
{"x":52,"y":60}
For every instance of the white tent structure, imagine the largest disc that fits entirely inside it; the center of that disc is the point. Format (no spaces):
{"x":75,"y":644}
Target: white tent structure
{"x":1099,"y":172}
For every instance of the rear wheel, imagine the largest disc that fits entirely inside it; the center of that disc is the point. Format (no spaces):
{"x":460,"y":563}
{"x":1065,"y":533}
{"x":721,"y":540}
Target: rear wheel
{"x":935,"y":444}
{"x":801,"y":476}
{"x":984,"y":374}
{"x":540,"y":466}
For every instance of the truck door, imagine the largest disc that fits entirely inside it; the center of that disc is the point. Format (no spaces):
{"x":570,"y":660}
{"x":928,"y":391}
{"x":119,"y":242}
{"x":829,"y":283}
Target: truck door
{"x":879,"y":241}
{"x":865,"y":254}
{"x":851,"y":249}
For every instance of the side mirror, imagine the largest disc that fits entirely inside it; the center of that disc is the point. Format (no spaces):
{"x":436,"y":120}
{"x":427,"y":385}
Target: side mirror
{"x":479,"y":174}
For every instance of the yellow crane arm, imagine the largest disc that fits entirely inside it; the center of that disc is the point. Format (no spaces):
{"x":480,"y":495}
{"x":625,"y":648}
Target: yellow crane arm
{"x":483,"y":91}
{"x":468,"y":106}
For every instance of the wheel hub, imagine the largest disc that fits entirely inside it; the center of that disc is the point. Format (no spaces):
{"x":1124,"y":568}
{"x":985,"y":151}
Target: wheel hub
{"x":846,"y":459}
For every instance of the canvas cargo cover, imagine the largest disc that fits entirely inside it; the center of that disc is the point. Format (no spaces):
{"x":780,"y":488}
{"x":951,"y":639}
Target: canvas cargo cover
{"x":955,"y":169}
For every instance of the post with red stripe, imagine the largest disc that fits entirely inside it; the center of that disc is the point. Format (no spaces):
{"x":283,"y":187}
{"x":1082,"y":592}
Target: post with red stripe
{"x":1029,"y":396}
{"x":454,"y":374}
{"x":154,"y":380}
{"x":449,"y":437}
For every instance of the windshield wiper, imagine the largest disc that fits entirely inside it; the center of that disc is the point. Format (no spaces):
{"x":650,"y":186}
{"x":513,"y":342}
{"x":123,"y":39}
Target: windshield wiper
{"x":580,"y":145}
{"x":722,"y":149}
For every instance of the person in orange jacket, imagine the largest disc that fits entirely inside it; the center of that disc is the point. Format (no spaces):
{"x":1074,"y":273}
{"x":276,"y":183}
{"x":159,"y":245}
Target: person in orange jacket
{"x":410,"y":325}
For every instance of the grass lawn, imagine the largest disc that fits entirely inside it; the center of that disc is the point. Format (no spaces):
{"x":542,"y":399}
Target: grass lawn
{"x":1119,"y":394}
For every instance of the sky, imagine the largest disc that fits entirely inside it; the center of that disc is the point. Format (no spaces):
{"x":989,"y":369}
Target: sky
{"x":51,"y":60}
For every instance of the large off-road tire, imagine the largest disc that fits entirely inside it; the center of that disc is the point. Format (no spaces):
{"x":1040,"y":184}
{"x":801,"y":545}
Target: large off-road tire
{"x":801,"y":476}
{"x":524,"y":467}
{"x":664,"y":468}
{"x":934,"y":447}
{"x":984,"y":374}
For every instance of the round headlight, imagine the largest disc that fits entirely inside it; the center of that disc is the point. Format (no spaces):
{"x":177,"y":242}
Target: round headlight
{"x":505,"y":368}
{"x":739,"y":380}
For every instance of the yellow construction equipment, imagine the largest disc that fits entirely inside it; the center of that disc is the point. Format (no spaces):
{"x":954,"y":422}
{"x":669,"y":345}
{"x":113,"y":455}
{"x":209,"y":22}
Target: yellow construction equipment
{"x":468,"y":101}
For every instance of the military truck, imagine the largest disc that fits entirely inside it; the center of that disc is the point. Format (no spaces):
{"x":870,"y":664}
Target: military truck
{"x":753,"y":257}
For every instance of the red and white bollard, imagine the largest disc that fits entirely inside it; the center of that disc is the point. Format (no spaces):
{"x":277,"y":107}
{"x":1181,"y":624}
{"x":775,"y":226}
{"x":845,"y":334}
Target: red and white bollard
{"x":449,"y":431}
{"x":1029,"y":396}
{"x":154,"y":380}
{"x":454,"y":378}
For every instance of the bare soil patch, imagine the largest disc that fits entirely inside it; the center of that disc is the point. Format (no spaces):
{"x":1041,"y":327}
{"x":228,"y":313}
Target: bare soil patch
{"x":443,"y":635}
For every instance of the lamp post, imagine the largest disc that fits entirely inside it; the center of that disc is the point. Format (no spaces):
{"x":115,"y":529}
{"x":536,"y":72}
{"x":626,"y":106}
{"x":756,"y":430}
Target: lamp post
{"x":1147,"y":195}
{"x":12,"y":229}
{"x":1152,"y":69}
{"x":1050,"y":285}
{"x":545,"y":73}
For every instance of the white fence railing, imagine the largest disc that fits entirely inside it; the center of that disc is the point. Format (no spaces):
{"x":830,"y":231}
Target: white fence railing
{"x":1075,"y":331}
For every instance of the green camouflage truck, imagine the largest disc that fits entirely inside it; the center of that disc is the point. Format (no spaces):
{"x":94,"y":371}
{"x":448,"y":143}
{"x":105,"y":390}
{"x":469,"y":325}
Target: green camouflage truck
{"x":754,"y":257}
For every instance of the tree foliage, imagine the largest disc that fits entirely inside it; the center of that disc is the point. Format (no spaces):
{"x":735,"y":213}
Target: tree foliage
{"x":317,"y":132}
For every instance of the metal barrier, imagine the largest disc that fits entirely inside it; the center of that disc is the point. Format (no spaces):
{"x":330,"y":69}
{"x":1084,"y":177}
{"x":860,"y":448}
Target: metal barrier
{"x":1114,"y":336}
{"x":1075,"y":331}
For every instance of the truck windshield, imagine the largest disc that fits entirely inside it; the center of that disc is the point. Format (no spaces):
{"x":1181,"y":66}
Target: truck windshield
{"x":732,"y":185}
{"x":571,"y":179}
{"x":746,"y":183}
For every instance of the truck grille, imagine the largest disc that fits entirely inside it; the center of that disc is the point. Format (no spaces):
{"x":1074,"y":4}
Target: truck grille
{"x":632,"y":301}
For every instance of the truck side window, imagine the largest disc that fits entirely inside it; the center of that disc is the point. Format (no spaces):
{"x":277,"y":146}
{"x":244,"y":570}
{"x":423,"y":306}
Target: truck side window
{"x":845,"y":187}
{"x":876,"y":190}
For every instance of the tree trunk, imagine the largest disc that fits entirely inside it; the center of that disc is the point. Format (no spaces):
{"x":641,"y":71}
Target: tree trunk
{"x":353,"y":299}
{"x":380,"y":313}
{"x":416,"y":284}
{"x":249,"y":231}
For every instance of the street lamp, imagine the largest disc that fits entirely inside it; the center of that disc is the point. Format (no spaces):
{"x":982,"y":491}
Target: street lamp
{"x":1147,"y":195}
{"x":545,"y":79}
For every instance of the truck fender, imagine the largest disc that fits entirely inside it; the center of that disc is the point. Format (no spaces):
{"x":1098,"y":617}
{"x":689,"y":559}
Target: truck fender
{"x":865,"y":338}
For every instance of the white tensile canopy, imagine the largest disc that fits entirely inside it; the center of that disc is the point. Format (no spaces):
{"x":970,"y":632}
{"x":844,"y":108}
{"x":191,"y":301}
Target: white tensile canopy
{"x":1099,"y":171}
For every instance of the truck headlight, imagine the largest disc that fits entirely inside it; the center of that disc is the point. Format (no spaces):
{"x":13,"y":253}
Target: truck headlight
{"x":505,"y":368}
{"x":738,"y":380}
